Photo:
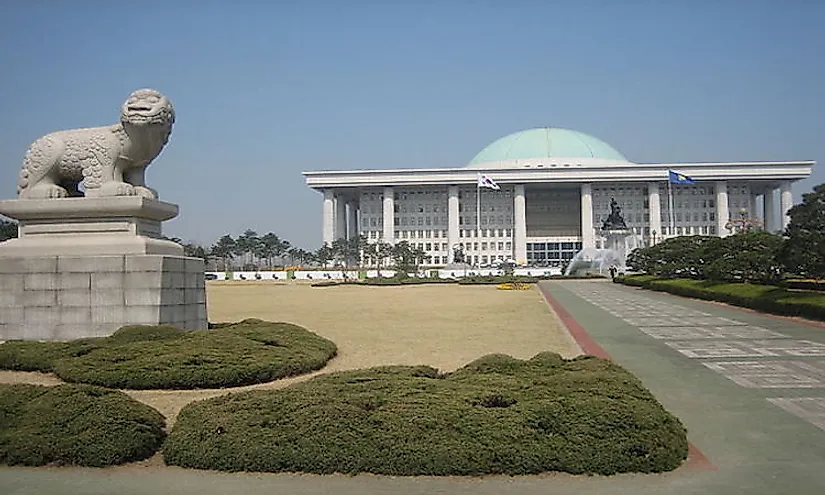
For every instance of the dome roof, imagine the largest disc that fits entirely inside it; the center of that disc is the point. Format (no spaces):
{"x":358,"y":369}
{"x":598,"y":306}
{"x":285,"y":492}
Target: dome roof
{"x":546,"y":142}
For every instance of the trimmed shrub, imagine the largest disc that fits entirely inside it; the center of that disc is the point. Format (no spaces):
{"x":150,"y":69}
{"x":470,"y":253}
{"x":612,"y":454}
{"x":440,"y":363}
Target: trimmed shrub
{"x":766,"y":298}
{"x":162,"y":357}
{"x":79,"y":425}
{"x":812,"y":285}
{"x":495,"y":415}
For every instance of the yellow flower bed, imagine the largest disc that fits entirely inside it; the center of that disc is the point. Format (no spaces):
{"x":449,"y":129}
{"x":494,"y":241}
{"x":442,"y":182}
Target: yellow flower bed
{"x":513,"y":286}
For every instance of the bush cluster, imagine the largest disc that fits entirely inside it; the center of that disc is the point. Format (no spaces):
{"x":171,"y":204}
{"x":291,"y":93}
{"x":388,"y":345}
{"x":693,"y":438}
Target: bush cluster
{"x":744,"y":257}
{"x":495,"y":415}
{"x":767,"y":298}
{"x":162,"y":357}
{"x":79,"y":425}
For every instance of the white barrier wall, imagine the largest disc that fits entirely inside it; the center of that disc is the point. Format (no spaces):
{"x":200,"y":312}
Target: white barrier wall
{"x":352,"y":274}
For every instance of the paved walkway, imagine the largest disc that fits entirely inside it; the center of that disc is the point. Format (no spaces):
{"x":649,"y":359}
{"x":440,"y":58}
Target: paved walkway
{"x":749,"y":388}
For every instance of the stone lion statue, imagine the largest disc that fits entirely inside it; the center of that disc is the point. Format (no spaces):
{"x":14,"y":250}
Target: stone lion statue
{"x":108,"y":161}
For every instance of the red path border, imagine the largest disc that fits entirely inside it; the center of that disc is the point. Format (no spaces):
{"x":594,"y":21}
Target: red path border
{"x":696,"y":459}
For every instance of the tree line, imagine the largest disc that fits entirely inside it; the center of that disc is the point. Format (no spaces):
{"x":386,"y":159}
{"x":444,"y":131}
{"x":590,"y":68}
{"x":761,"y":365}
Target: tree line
{"x":251,"y":252}
{"x":750,"y":255}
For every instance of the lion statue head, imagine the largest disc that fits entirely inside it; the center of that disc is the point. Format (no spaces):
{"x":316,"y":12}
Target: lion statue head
{"x":147,"y":107}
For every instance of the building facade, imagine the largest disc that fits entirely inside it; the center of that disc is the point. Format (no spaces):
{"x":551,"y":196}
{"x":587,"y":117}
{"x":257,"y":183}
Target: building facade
{"x":555,"y":188}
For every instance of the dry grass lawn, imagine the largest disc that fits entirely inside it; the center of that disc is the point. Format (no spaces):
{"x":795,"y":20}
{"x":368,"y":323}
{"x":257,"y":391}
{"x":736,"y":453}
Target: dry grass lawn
{"x":444,"y":326}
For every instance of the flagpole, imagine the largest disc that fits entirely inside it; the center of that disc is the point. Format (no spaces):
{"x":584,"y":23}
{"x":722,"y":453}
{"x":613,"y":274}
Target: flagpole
{"x":670,"y":205}
{"x":478,"y":208}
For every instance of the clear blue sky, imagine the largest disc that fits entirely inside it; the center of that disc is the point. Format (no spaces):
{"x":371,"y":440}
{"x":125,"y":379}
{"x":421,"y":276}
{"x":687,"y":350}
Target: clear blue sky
{"x":266,"y":90}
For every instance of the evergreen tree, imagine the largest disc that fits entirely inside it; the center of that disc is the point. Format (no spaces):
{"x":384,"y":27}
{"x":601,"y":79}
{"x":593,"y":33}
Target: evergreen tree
{"x":804,"y":250}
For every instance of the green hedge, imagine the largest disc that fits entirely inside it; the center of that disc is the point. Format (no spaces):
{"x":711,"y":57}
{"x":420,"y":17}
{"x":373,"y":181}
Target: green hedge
{"x":813,"y":285}
{"x":78,"y":425}
{"x":496,"y":415}
{"x":766,"y":298}
{"x":162,"y":357}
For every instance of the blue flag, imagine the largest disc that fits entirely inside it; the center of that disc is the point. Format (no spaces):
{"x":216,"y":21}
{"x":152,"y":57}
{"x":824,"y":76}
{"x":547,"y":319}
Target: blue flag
{"x":677,"y":178}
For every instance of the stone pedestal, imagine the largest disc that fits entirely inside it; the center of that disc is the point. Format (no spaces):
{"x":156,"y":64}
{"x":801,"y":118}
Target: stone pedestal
{"x":89,"y":226}
{"x":84,"y":267}
{"x":617,"y":242}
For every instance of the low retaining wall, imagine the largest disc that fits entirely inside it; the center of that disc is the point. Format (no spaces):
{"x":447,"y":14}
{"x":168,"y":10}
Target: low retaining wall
{"x":355,"y":274}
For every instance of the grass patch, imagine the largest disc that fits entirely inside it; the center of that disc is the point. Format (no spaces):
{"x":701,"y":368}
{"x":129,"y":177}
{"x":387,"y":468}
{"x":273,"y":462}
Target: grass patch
{"x":767,"y":298}
{"x":79,"y":425}
{"x":163,"y":357}
{"x":497,"y":414}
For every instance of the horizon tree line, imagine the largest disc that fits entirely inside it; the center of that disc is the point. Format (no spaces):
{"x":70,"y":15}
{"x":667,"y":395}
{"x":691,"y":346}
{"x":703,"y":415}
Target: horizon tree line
{"x":251,"y":251}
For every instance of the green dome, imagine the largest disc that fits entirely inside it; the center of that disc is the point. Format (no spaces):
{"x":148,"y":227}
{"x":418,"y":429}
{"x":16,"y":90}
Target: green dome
{"x":547,"y":142}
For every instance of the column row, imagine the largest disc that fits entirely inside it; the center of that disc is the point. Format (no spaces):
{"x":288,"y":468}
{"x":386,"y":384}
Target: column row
{"x":341,"y":216}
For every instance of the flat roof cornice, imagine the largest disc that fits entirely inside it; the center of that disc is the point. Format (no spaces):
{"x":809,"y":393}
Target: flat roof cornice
{"x":537,"y":172}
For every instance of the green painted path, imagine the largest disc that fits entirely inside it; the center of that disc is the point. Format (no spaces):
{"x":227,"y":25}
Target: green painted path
{"x":717,"y":368}
{"x":713,"y":366}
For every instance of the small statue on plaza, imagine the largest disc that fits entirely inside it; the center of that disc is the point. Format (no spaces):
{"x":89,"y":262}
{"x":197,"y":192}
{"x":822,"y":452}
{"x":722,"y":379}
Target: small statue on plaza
{"x":614,"y":221}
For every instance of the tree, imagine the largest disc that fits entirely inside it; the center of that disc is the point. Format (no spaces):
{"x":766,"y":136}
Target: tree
{"x":684,"y":256}
{"x":194,"y":250}
{"x":750,"y":256}
{"x":339,"y":250}
{"x":371,"y":254}
{"x":8,"y":230}
{"x":418,"y":255}
{"x":355,"y":249}
{"x":324,"y":254}
{"x":224,"y":250}
{"x":385,"y":250}
{"x":404,"y":257}
{"x":804,"y":250}
{"x":282,"y":248}
{"x":246,"y":246}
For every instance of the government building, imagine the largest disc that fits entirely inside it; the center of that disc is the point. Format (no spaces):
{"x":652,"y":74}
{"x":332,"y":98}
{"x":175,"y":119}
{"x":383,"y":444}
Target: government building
{"x":539,"y":196}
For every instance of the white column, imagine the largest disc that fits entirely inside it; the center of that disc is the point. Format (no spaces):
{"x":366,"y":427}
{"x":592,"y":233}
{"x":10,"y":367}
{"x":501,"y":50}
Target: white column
{"x":352,"y":220}
{"x":389,"y":215}
{"x":519,"y":225}
{"x":785,"y":202}
{"x":654,"y":211}
{"x":769,"y":214}
{"x":340,"y":217}
{"x":752,"y":213}
{"x":328,"y":217}
{"x":452,"y":220}
{"x":588,"y":234}
{"x":722,"y":213}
